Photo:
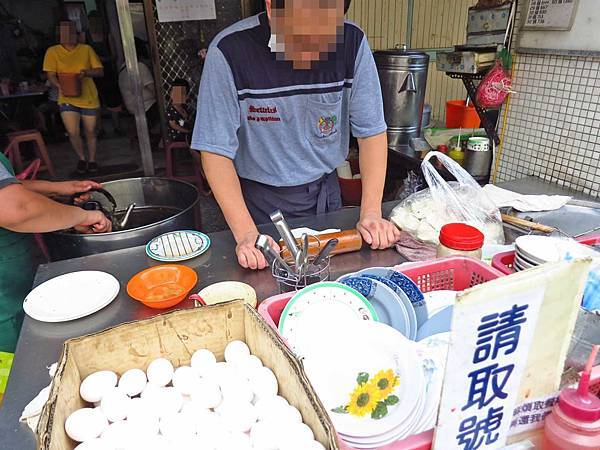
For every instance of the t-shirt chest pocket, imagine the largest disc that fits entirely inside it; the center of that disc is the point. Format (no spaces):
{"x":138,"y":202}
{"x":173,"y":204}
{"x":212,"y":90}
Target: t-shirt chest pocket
{"x":323,"y":113}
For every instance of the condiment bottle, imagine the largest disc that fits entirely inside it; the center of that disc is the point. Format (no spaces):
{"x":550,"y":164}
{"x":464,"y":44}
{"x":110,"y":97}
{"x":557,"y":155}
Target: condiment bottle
{"x":460,"y":239}
{"x":574,"y":423}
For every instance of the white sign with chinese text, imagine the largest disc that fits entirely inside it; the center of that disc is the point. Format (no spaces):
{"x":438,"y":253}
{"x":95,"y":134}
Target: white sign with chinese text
{"x":491,"y":336}
{"x":530,"y":415}
{"x":550,"y":14}
{"x":182,"y":10}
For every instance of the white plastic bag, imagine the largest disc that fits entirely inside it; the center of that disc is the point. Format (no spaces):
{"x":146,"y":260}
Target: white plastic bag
{"x":424,"y":213}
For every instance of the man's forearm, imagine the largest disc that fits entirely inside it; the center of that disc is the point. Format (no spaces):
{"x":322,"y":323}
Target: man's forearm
{"x":373,"y":165}
{"x":29,"y":212}
{"x":40,"y":187}
{"x":225,"y":185}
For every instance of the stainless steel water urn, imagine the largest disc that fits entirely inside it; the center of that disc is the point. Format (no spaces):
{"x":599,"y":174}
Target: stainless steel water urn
{"x":403,"y":78}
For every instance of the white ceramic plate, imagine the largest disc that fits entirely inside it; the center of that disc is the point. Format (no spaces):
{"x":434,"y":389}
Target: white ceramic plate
{"x":177,"y":246}
{"x":326,"y":304}
{"x":542,"y":249}
{"x":332,"y":365}
{"x":71,"y":296}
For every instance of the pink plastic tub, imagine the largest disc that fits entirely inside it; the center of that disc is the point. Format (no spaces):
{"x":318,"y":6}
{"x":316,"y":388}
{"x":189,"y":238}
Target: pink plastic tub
{"x":454,"y":273}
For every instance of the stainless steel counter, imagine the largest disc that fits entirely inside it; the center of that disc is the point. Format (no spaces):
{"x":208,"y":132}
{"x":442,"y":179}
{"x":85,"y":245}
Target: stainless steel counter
{"x":40,"y":343}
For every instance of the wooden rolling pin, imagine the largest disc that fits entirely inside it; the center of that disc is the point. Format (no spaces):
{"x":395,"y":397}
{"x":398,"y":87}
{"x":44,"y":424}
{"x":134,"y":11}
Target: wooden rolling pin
{"x":349,"y":241}
{"x":527,"y":224}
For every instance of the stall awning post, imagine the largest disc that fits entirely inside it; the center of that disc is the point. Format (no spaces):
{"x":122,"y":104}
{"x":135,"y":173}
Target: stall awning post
{"x":131,"y":63}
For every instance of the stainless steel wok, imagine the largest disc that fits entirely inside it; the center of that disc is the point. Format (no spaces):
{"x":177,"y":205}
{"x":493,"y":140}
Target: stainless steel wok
{"x":162,"y":205}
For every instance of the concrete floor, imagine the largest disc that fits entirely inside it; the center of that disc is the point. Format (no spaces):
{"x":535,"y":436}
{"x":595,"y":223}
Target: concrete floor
{"x":119,"y":158}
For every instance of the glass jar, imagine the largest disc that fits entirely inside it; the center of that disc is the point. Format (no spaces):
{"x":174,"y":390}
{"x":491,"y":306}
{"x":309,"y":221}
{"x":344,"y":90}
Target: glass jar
{"x":460,"y":239}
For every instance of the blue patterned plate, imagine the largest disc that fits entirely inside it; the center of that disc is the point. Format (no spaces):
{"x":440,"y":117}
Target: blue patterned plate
{"x":177,"y":246}
{"x":390,"y":309}
{"x":411,"y":290}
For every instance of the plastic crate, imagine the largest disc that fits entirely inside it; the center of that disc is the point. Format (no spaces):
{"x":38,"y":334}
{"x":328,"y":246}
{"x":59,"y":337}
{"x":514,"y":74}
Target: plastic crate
{"x":504,"y":261}
{"x":454,"y":273}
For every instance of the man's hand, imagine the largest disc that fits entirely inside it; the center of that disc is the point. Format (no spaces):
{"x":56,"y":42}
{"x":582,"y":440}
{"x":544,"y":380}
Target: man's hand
{"x":95,"y":222}
{"x":376,"y":231}
{"x":249,"y":257}
{"x":68,"y":188}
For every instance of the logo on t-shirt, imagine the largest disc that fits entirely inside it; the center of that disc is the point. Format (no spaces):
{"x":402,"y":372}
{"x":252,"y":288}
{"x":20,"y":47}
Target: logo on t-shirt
{"x":263,"y":114}
{"x":327,"y":126}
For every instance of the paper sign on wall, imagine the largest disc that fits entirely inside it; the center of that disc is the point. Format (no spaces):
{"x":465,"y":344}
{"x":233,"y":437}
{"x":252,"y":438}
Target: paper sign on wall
{"x":182,"y":10}
{"x":493,"y":335}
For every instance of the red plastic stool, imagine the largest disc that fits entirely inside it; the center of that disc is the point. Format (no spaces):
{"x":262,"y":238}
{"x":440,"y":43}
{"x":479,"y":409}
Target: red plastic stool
{"x":13,"y":151}
{"x":197,"y":178}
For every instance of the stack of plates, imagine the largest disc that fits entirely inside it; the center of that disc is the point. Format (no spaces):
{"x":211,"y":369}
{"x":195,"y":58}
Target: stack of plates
{"x":371,"y":381}
{"x":395,"y":297}
{"x":532,"y":251}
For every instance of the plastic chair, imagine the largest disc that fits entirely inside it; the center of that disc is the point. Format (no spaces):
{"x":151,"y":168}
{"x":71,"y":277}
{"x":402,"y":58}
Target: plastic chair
{"x":30,"y":173}
{"x":13,"y":151}
{"x":197,"y":178}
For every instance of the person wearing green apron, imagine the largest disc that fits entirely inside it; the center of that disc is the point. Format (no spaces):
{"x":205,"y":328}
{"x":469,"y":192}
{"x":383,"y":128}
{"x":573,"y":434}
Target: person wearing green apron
{"x":27,"y":209}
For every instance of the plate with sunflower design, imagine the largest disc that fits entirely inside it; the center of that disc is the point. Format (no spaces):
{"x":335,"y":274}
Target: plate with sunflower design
{"x":369,"y":378}
{"x":326,"y":305}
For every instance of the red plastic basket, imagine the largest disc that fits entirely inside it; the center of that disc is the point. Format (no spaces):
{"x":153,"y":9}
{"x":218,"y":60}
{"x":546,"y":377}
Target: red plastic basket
{"x":454,"y":273}
{"x":504,"y":261}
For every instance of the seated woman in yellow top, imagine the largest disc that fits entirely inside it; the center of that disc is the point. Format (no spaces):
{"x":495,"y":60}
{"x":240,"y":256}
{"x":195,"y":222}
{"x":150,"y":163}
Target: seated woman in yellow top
{"x":70,"y":57}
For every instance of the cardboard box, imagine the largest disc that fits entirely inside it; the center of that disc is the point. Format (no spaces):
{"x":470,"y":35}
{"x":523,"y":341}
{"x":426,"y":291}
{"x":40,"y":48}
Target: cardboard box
{"x":176,"y":336}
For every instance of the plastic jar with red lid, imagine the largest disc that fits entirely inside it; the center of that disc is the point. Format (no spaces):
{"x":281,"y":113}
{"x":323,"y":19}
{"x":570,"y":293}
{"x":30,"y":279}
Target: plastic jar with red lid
{"x":460,"y":239}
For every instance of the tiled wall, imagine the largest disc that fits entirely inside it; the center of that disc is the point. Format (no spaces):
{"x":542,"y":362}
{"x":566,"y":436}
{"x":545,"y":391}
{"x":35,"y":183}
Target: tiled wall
{"x":551,"y":126}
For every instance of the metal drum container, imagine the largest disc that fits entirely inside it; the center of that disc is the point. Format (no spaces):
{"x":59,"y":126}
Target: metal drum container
{"x":161,"y":205}
{"x":403,"y":78}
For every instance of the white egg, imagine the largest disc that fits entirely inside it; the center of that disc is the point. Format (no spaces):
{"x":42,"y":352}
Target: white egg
{"x":157,"y":442}
{"x":235,"y":441}
{"x":171,"y":401}
{"x":193,"y":408}
{"x":160,"y":372}
{"x":85,"y":424}
{"x":184,"y":379}
{"x":235,"y":351}
{"x":237,"y":387}
{"x":262,"y":436}
{"x":315,"y":445}
{"x":115,"y":405}
{"x":143,"y":422}
{"x":247,"y":364}
{"x":190,"y":442}
{"x":300,"y":433}
{"x":95,"y":385}
{"x":210,"y":428}
{"x":238,"y":416}
{"x":218,"y":371}
{"x":118,"y":435}
{"x":133,"y":382}
{"x":267,"y":407}
{"x":291,"y":415}
{"x":93,"y":444}
{"x":264,"y":382}
{"x":206,"y":394}
{"x":177,"y":425}
{"x":202,"y":361}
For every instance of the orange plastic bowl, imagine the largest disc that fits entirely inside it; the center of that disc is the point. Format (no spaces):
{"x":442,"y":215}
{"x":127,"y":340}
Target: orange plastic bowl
{"x":162,"y":287}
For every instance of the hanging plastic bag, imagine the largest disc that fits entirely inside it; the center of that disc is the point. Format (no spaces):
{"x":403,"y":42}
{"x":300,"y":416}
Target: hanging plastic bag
{"x":496,"y":85}
{"x":424,"y":213}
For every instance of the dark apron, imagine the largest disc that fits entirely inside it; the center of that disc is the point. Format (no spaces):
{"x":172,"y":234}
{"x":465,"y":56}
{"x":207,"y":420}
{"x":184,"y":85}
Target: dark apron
{"x":16,"y":277}
{"x":317,"y":197}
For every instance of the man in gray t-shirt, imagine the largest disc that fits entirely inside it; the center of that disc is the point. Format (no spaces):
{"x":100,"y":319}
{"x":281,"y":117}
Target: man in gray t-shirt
{"x":279,"y":96}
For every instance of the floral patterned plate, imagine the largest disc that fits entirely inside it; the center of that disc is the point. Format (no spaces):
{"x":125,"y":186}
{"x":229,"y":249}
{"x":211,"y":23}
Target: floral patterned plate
{"x":368,"y":377}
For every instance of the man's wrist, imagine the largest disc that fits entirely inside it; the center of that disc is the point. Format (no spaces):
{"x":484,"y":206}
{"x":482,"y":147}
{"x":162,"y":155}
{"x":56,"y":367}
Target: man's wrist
{"x":370,"y":210}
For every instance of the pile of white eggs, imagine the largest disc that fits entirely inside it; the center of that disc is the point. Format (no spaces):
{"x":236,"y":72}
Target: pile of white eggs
{"x":208,"y":405}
